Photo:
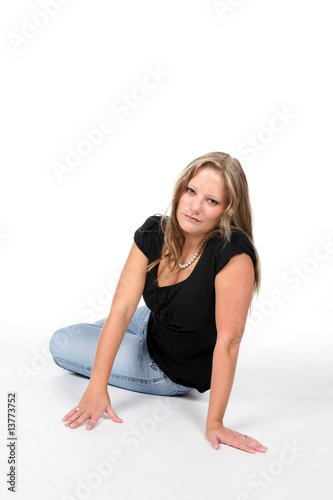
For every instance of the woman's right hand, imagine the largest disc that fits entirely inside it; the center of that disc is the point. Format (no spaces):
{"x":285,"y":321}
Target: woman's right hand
{"x":92,"y":404}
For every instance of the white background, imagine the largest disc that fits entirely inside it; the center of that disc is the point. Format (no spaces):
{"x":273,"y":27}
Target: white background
{"x":226,"y":74}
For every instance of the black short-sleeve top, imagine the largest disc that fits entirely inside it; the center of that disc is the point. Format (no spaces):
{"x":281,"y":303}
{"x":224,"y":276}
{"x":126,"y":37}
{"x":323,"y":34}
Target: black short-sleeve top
{"x":181,"y":332}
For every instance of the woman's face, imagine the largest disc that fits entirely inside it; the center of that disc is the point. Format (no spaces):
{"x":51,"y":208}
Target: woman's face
{"x":201,"y":205}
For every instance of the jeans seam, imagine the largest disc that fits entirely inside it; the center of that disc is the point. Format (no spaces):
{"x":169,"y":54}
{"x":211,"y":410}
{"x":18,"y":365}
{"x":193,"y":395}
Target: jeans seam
{"x":85,"y":367}
{"x":115,"y":375}
{"x":137,"y":380}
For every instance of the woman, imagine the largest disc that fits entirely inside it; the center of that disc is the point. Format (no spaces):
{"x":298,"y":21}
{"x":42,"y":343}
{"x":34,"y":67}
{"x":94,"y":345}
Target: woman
{"x":197,"y":271}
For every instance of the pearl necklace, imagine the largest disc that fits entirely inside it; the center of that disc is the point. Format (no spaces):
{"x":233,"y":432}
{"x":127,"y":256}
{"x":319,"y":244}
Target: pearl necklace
{"x":183,"y":266}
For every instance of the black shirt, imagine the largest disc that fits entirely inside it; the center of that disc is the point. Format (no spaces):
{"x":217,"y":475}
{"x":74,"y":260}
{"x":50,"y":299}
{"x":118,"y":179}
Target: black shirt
{"x":182,"y":333}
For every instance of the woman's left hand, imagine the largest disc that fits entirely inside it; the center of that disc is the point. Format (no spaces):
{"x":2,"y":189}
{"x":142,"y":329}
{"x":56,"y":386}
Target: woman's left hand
{"x":216,"y":433}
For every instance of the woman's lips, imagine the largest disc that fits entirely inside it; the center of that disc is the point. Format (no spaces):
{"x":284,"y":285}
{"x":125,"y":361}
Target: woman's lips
{"x":192,"y":219}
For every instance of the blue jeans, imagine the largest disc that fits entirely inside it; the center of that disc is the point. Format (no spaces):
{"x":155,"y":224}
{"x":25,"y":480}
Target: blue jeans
{"x":73,"y":348}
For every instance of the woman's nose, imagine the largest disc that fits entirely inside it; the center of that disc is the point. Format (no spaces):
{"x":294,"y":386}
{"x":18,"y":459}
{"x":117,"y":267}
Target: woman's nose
{"x":195,"y":205}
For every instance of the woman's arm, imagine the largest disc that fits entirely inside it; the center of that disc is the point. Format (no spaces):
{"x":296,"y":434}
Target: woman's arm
{"x":233,"y":286}
{"x":95,"y":400}
{"x":125,"y":301}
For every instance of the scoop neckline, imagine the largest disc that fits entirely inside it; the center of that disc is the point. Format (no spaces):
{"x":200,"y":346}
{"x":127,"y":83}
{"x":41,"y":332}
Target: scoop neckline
{"x":188,"y":277}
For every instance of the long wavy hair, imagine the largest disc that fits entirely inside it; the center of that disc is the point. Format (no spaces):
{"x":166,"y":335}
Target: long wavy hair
{"x":237,"y":215}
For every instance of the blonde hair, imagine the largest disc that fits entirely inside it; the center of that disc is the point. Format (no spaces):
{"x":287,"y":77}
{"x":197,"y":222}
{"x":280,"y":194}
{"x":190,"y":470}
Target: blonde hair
{"x":237,"y":215}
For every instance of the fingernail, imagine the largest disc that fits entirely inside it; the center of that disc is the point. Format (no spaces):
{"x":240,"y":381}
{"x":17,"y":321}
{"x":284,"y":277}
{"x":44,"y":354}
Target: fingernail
{"x":88,"y":427}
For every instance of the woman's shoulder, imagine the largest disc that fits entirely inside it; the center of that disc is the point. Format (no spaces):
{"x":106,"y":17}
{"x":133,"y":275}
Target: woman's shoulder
{"x":152,"y":223}
{"x":148,"y":233}
{"x":237,"y":237}
{"x":239,"y":243}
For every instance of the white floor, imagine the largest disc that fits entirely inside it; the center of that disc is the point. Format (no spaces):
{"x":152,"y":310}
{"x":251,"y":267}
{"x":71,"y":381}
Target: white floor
{"x":159,"y":451}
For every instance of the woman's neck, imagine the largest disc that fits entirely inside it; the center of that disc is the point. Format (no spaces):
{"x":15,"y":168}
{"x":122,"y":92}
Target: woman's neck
{"x":191,"y":246}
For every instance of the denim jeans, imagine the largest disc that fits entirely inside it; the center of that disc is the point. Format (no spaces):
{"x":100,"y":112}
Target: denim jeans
{"x":73,"y":348}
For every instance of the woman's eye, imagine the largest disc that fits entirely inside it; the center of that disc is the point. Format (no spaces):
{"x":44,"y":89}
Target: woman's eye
{"x":190,"y":190}
{"x":213,"y":202}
